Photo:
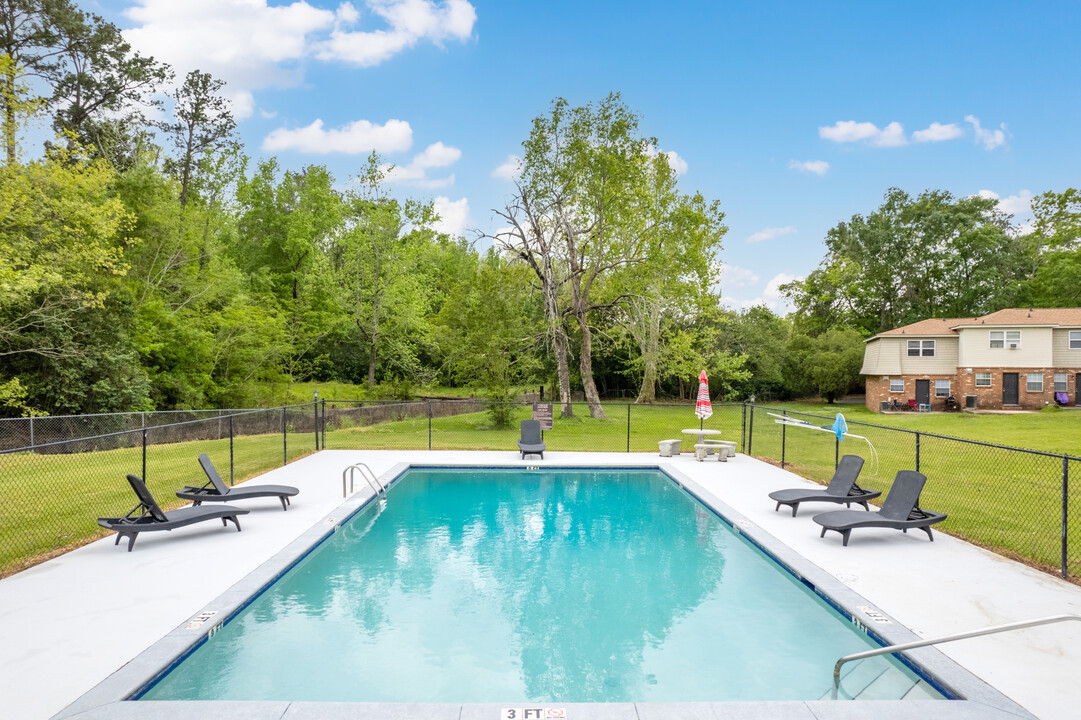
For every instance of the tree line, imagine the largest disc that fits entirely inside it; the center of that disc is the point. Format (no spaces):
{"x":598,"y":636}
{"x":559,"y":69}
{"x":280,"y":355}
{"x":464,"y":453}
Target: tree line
{"x":151,"y":264}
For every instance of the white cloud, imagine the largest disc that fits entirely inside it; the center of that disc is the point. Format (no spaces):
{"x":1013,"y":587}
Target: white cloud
{"x":1019,"y":205}
{"x":771,"y":297}
{"x":734,"y":276}
{"x":358,"y":137}
{"x":771,"y":232}
{"x":247,"y":43}
{"x":817,"y":167}
{"x":251,"y":44}
{"x":850,"y":131}
{"x":268,"y":114}
{"x":242,"y":105}
{"x":847,"y":131}
{"x":454,"y":215}
{"x":436,"y":155}
{"x":937,"y":132}
{"x":990,"y":139}
{"x":510,"y":169}
{"x":678,"y":164}
{"x":408,"y":21}
{"x":893,"y":135}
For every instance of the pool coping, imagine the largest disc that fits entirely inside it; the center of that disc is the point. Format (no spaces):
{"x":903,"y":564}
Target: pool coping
{"x":109,"y":698}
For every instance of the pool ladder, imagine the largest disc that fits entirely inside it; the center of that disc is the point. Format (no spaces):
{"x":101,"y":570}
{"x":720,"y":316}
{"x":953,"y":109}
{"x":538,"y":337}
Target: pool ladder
{"x":367,"y":473}
{"x":889,"y":650}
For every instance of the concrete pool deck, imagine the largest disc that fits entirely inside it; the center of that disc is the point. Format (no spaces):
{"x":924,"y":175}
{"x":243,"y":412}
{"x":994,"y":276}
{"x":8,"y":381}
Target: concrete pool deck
{"x":71,"y":622}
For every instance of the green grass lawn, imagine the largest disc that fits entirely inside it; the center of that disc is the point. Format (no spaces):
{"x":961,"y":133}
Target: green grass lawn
{"x":1004,"y":500}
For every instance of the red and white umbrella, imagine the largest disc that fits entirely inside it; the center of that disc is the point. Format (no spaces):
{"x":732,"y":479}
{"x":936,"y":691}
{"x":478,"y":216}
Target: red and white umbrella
{"x":702,"y":407}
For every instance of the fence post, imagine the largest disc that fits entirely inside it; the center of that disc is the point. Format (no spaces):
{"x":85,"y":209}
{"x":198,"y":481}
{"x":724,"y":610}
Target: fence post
{"x":743,"y":430}
{"x":315,"y":421}
{"x":917,"y":452}
{"x":230,"y":450}
{"x":750,"y":433}
{"x":285,"y":442}
{"x":323,"y":423}
{"x":429,"y":424}
{"x":144,"y":455}
{"x":1065,"y":488}
{"x":628,"y":427}
{"x":836,"y":453}
{"x":783,"y":429}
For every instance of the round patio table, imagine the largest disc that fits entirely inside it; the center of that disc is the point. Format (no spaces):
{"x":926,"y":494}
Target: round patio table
{"x":701,"y":433}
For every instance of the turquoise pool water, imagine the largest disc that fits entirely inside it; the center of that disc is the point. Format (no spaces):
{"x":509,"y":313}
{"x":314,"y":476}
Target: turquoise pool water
{"x":495,"y":585}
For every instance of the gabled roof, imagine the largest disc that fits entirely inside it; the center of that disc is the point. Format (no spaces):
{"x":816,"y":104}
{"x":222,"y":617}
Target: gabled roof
{"x":931,"y":326}
{"x":1046,"y":317}
{"x":1060,"y":317}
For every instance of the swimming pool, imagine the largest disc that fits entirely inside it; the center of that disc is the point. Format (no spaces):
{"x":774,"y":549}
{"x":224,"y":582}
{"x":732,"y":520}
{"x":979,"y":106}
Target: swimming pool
{"x":553,"y":585}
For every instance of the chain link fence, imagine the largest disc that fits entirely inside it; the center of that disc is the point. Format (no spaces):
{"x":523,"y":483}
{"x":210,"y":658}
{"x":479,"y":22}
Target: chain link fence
{"x":1015,"y":501}
{"x":1018,"y":502}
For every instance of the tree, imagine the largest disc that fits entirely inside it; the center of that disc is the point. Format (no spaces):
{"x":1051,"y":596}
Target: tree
{"x":912,"y":258}
{"x":1055,"y":249}
{"x":83,"y":62}
{"x":378,"y":251}
{"x":833,"y":364}
{"x":284,"y":226}
{"x":202,"y":124}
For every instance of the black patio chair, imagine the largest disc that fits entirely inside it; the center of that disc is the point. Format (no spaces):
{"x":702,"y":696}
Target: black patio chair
{"x":900,"y":511}
{"x":215,"y":489}
{"x":530,"y":442}
{"x":151,"y":517}
{"x":842,"y":489}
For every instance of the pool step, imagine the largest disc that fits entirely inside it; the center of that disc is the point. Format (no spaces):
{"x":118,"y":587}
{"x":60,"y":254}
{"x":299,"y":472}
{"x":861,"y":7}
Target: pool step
{"x":877,"y":679}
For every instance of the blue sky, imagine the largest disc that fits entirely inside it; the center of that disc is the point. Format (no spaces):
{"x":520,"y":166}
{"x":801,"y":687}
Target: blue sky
{"x":794,"y":115}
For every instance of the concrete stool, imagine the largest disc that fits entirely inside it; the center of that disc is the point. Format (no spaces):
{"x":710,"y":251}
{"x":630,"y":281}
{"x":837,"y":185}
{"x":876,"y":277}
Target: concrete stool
{"x":702,"y":450}
{"x":728,"y":445}
{"x":669,"y":448}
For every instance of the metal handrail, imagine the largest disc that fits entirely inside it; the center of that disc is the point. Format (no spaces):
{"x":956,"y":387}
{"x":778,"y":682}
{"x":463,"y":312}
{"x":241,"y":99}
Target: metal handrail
{"x":945,"y":638}
{"x":370,"y":476}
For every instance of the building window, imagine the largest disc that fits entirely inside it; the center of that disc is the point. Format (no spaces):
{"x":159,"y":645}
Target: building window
{"x":1060,"y":382}
{"x":916,"y":348}
{"x":942,"y":388}
{"x":1075,"y":339}
{"x":1034,"y":383}
{"x":897,"y":385}
{"x":1005,"y":338}
{"x":983,"y":379}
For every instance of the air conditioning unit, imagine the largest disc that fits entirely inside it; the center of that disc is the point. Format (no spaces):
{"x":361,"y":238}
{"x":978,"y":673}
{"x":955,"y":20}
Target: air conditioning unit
{"x":1013,"y":346}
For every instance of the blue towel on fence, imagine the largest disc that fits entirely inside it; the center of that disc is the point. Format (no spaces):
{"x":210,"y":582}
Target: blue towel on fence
{"x":840,"y":427}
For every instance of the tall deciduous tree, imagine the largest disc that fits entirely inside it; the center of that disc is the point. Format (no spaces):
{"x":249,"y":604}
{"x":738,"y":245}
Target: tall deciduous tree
{"x":202,"y":124}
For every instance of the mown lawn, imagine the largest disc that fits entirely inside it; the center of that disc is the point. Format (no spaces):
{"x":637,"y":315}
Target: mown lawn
{"x":1003,"y":500}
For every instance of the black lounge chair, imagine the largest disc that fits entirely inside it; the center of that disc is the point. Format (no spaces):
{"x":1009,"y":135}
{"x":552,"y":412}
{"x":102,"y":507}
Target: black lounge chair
{"x":842,"y":489}
{"x":900,"y":511}
{"x":151,"y":517}
{"x":215,"y":489}
{"x":531,"y":444}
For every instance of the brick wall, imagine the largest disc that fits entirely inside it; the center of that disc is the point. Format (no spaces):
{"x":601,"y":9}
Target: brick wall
{"x":964,"y":383}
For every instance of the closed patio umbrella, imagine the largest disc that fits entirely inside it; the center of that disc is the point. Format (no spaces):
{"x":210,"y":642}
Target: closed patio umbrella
{"x":702,"y":408}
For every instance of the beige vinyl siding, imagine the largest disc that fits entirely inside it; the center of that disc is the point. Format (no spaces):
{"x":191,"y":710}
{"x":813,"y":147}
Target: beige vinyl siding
{"x":974,"y":348}
{"x":881,"y":357}
{"x":943,"y":363}
{"x":1061,"y":354}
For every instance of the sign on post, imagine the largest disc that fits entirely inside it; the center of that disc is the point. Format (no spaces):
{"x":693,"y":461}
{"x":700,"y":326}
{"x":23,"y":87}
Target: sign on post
{"x":542,"y":412}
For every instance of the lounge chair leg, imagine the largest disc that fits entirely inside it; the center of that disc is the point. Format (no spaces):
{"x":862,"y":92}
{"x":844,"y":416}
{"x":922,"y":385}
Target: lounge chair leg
{"x":928,"y":531}
{"x":795,"y":507}
{"x":844,"y":537}
{"x":234,"y":519}
{"x":118,"y":536}
{"x":823,"y":533}
{"x":282,"y":498}
{"x":864,"y":504}
{"x":131,"y":541}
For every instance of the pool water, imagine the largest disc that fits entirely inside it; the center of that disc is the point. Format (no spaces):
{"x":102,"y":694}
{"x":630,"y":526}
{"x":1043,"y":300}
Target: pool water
{"x":496,"y":585}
